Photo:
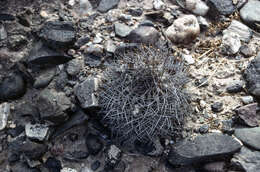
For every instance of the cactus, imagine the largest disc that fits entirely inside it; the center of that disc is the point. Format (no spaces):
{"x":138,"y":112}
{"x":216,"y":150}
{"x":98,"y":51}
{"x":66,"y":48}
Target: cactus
{"x":142,"y":94}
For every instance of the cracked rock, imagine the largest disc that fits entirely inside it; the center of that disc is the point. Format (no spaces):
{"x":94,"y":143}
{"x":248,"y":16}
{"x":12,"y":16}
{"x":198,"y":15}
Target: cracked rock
{"x":85,"y":93}
{"x":38,"y":132}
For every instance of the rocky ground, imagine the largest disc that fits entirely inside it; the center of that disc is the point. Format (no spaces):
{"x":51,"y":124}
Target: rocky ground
{"x":52,"y":57}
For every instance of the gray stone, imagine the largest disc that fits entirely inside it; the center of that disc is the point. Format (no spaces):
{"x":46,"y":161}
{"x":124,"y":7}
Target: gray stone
{"x":122,"y":30}
{"x":197,"y":7}
{"x":74,"y":66}
{"x":4,"y":114}
{"x":106,"y":5}
{"x":84,"y":7}
{"x":203,"y":148}
{"x":85,"y":93}
{"x":230,"y":43}
{"x":17,"y":42}
{"x":252,"y":77}
{"x":38,"y":132}
{"x":98,"y":39}
{"x":250,"y":13}
{"x":58,"y":34}
{"x":243,"y":32}
{"x":144,"y":34}
{"x":12,"y":87}
{"x":204,"y":25}
{"x":44,"y":78}
{"x":246,"y":51}
{"x":249,"y":136}
{"x":247,"y":160}
{"x":3,"y":33}
{"x":53,"y":105}
{"x":184,"y":29}
{"x":221,"y":7}
{"x":110,"y":46}
{"x":247,"y":114}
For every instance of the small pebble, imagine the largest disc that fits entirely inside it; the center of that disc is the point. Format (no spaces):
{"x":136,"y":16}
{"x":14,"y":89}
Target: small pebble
{"x":235,"y":88}
{"x":95,"y":165}
{"x":217,"y":107}
{"x":204,"y":129}
{"x":247,"y":99}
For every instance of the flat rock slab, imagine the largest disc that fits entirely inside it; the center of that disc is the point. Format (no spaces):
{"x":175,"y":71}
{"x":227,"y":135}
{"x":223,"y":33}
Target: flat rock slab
{"x":252,"y":77}
{"x":221,"y":7}
{"x":58,"y":34}
{"x":249,"y":136}
{"x":247,"y":160}
{"x":203,"y":148}
{"x":106,"y":5}
{"x":247,"y":114}
{"x":250,"y":13}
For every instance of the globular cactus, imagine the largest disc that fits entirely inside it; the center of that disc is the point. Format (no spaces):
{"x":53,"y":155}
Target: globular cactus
{"x":142,"y":95}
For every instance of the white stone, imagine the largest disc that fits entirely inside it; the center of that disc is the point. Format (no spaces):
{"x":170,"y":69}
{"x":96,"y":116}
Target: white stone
{"x":247,"y":99}
{"x":203,"y":22}
{"x":231,"y":43}
{"x":243,"y":32}
{"x":188,"y":59}
{"x":184,"y":29}
{"x":197,"y":7}
{"x":4,"y":114}
{"x":86,"y":169}
{"x":85,"y":7}
{"x":158,"y":5}
{"x":66,"y":169}
{"x":71,"y":2}
{"x":98,"y":39}
{"x":37,"y":131}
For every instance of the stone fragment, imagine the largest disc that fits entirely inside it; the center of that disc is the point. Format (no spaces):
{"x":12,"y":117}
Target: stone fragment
{"x":17,"y":42}
{"x":246,"y":51}
{"x":247,"y":99}
{"x":203,"y":148}
{"x":204,"y":129}
{"x":221,"y":7}
{"x":98,"y":39}
{"x":243,"y":32}
{"x":188,"y":59}
{"x":66,"y":169}
{"x":73,"y":67}
{"x":184,"y":29}
{"x":250,"y":13}
{"x":31,"y":150}
{"x":110,"y":47}
{"x":158,"y":5}
{"x":217,"y":107}
{"x":144,"y":34}
{"x":37,"y":132}
{"x":85,"y":93}
{"x":12,"y":87}
{"x":44,"y":78}
{"x":252,"y":77}
{"x":95,"y":165}
{"x":84,"y":7}
{"x":230,"y":43}
{"x":249,"y":136}
{"x":58,"y":34}
{"x":106,"y":5}
{"x":235,"y":88}
{"x":4,"y":114}
{"x":204,"y":25}
{"x":113,"y":156}
{"x":247,"y":160}
{"x":197,"y":7}
{"x":53,"y":105}
{"x":122,"y":30}
{"x":247,"y":114}
{"x":53,"y":164}
{"x":3,"y":33}
{"x":93,"y":144}
{"x":135,"y":11}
